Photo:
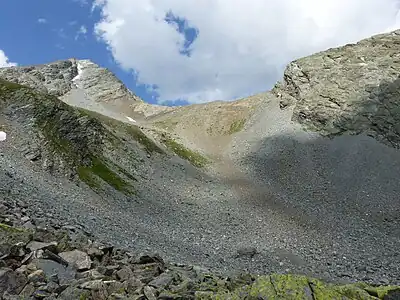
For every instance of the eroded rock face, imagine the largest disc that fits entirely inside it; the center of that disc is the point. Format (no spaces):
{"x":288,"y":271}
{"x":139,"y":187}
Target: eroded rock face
{"x":55,"y":78}
{"x":350,"y":89}
{"x":58,"y":78}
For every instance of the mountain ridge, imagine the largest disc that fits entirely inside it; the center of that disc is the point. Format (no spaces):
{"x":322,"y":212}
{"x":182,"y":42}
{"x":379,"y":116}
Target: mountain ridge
{"x":308,"y":184}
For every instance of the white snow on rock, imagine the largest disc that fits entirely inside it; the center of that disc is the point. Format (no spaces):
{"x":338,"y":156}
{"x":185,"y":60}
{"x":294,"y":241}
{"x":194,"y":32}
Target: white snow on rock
{"x":130,"y":119}
{"x":77,"y":77}
{"x":3,"y":136}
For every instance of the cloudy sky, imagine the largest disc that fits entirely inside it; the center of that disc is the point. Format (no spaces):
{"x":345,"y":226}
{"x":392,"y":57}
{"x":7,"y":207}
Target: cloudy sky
{"x":186,"y":51}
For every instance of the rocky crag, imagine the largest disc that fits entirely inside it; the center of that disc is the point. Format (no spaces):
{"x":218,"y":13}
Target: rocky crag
{"x":352,"y":89}
{"x":302,"y":179}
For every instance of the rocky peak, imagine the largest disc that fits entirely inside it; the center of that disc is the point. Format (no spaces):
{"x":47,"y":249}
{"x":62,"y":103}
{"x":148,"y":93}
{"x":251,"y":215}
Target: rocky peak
{"x":99,"y":83}
{"x":77,"y":82}
{"x":54,"y":78}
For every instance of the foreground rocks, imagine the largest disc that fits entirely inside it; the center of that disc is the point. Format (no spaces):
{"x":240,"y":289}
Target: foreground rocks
{"x":43,"y":262}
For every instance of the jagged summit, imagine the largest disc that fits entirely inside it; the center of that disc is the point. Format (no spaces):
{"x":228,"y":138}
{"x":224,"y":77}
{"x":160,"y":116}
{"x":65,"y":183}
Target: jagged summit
{"x":84,"y":84}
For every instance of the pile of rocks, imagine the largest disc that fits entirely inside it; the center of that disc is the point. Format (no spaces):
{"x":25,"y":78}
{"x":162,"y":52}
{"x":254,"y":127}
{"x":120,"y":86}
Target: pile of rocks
{"x":48,"y":261}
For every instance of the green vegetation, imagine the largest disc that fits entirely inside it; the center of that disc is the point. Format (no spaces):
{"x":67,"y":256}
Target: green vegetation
{"x":101,"y":170}
{"x":7,"y":86}
{"x":288,"y":286}
{"x":130,"y":130}
{"x":10,"y":236}
{"x":193,"y":157}
{"x":74,"y":137}
{"x":236,"y":126}
{"x":5,"y":227}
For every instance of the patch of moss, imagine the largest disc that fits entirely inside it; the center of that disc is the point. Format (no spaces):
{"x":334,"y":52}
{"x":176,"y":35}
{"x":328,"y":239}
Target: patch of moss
{"x":236,"y":126}
{"x":193,"y":157}
{"x":99,"y":169}
{"x":9,"y":228}
{"x":7,"y":86}
{"x":10,"y":236}
{"x":289,"y":286}
{"x":149,"y":145}
{"x":73,"y":136}
{"x":84,"y":295}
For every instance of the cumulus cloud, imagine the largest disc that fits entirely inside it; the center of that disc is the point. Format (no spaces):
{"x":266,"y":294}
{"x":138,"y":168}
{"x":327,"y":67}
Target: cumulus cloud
{"x":239,"y":47}
{"x":42,"y":21}
{"x":4,"y":61}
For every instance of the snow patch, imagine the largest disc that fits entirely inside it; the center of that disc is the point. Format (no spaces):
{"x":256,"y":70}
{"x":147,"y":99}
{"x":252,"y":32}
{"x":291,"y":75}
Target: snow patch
{"x":80,"y":71}
{"x":130,"y":119}
{"x":3,"y":136}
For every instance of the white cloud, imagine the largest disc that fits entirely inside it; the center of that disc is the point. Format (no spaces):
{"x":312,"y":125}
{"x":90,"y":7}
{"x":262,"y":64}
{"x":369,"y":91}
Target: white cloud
{"x":242,"y":46}
{"x":42,"y":21}
{"x":4,"y":62}
{"x":81,"y":31}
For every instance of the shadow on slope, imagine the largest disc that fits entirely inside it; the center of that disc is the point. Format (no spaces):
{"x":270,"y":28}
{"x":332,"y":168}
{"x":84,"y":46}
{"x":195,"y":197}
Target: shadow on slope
{"x":349,"y":182}
{"x":337,"y":182}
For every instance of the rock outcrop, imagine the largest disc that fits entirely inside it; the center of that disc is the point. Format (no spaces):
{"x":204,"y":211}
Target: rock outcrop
{"x":351,"y":89}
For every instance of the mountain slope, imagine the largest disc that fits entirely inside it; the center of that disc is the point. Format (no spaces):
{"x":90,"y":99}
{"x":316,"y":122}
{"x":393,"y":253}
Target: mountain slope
{"x":208,"y":183}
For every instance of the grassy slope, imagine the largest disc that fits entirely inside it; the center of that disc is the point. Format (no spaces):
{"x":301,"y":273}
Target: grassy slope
{"x":72,"y":136}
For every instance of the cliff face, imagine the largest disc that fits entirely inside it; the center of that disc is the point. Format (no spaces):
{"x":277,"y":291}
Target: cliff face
{"x":350,"y":89}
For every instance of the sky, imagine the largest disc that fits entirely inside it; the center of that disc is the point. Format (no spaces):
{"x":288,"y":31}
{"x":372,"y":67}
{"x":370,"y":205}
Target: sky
{"x":177,"y":52}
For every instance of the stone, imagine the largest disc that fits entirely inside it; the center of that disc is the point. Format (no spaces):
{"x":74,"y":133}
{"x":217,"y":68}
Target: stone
{"x":108,"y":270}
{"x":132,"y":284}
{"x":37,"y":278}
{"x":28,"y":290}
{"x":55,"y":271}
{"x":246,"y":251}
{"x":93,"y":285}
{"x":11,"y":281}
{"x":74,"y":293}
{"x":51,"y":287}
{"x":161,"y":281}
{"x":25,"y":219}
{"x":35,"y":245}
{"x":146,"y":272}
{"x":77,"y":258}
{"x":150,"y":293}
{"x":92,"y":274}
{"x":95,"y":252}
{"x":41,"y":294}
{"x":124,"y":274}
{"x":146,"y":259}
{"x":13,"y":239}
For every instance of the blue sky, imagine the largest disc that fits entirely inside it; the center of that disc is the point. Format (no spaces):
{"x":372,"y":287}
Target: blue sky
{"x":42,"y":31}
{"x":188,"y":51}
